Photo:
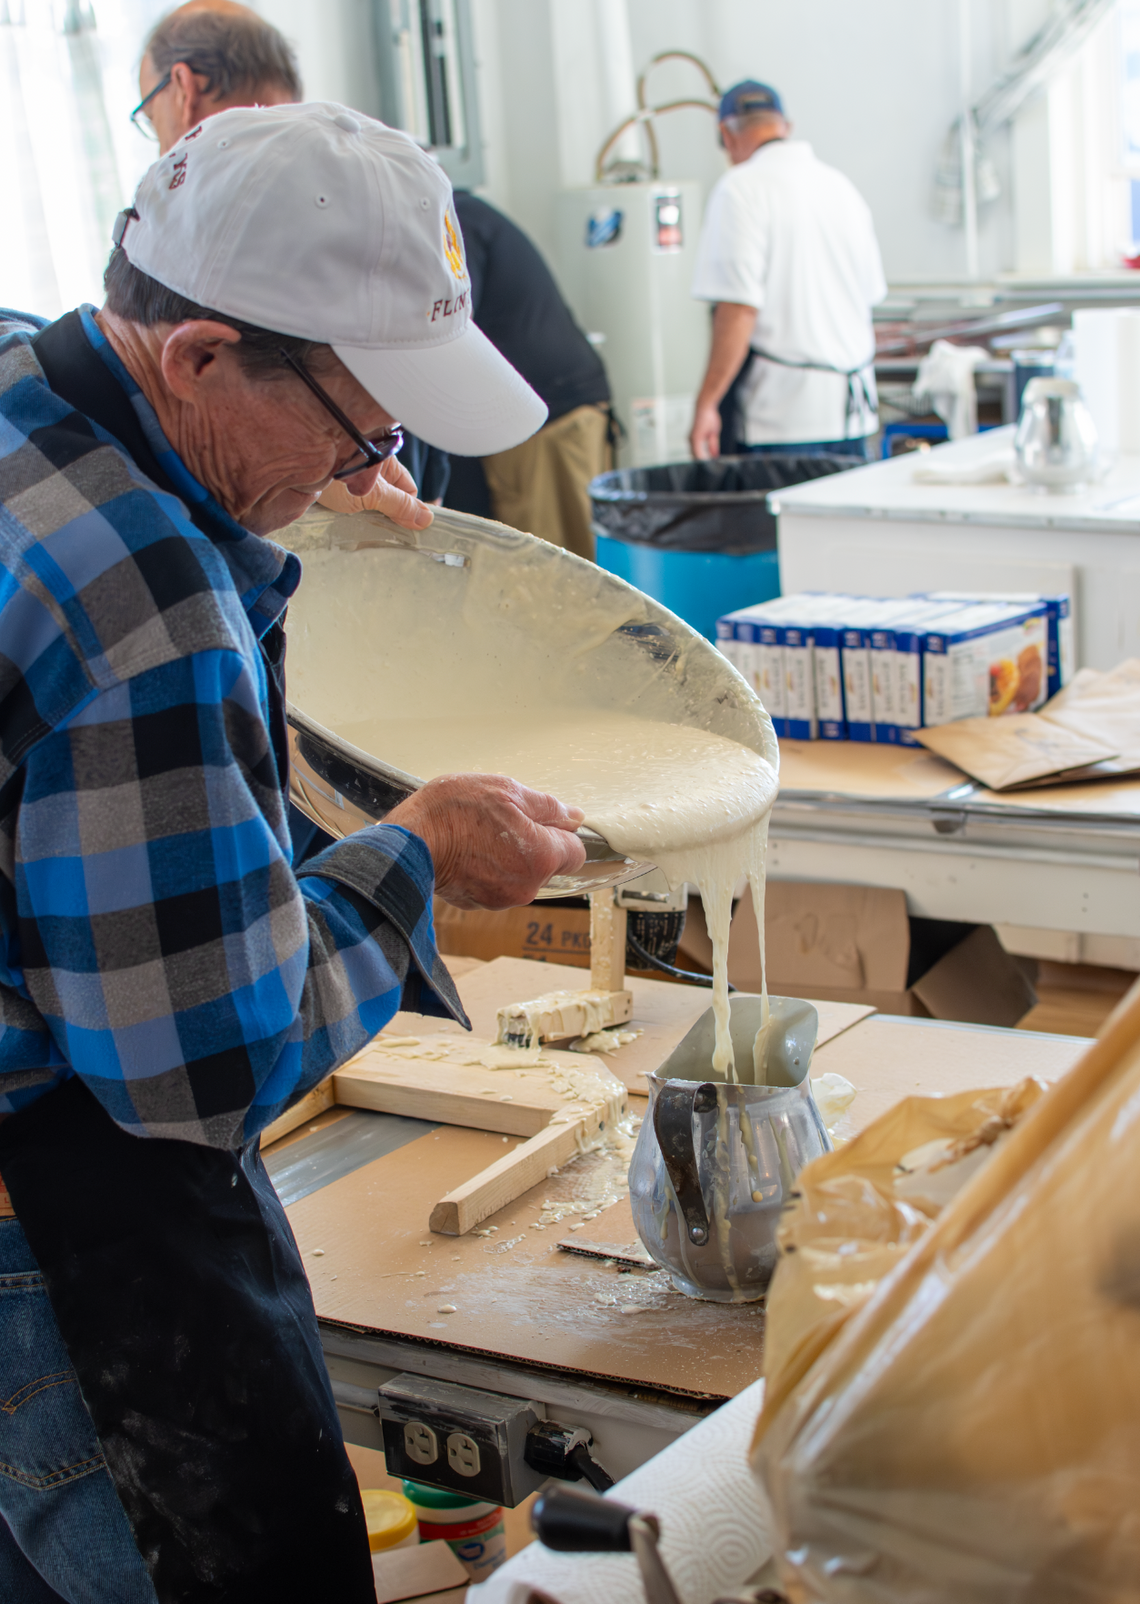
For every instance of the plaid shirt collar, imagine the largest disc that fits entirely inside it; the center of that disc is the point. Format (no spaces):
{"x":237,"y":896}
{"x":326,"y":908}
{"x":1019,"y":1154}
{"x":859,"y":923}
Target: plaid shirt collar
{"x":265,"y":575}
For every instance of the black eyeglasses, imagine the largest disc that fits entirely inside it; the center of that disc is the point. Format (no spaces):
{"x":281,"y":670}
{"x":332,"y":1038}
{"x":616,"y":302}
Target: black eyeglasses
{"x":139,"y":116}
{"x":371,"y":453}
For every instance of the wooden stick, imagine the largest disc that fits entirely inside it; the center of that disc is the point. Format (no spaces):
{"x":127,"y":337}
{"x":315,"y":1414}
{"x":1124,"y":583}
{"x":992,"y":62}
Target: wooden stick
{"x":313,"y":1103}
{"x":500,"y":1183}
{"x":607,"y":942}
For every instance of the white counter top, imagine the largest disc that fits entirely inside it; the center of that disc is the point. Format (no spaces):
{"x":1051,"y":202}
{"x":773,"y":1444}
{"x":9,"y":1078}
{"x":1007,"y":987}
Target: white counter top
{"x":888,"y":490}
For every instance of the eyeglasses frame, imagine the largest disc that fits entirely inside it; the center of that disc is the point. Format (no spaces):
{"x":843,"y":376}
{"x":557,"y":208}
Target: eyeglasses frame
{"x":374,"y":452}
{"x":147,"y":129}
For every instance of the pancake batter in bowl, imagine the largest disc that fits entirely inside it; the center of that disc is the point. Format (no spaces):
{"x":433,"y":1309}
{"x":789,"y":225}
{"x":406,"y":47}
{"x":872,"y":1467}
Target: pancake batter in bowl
{"x":694,"y":803}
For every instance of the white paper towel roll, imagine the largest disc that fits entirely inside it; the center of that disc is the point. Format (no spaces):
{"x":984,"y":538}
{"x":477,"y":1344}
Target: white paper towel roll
{"x":715,"y":1523}
{"x":1096,"y":368}
{"x":1128,"y":379}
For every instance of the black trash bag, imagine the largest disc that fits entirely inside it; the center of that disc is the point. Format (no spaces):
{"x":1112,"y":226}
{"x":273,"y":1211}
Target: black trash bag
{"x":718,"y":506}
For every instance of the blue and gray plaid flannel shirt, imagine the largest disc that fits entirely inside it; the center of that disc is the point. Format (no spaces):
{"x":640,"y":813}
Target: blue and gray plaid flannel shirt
{"x":156,"y":941}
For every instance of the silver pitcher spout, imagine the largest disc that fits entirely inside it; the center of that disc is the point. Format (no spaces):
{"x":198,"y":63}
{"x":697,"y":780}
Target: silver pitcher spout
{"x":716,"y":1161}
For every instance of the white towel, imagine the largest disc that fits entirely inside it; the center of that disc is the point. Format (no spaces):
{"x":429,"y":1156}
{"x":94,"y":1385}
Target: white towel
{"x":715,"y":1523}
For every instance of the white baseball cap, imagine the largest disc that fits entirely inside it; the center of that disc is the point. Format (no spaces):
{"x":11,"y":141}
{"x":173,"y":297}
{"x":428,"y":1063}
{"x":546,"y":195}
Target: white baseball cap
{"x":317,"y":221}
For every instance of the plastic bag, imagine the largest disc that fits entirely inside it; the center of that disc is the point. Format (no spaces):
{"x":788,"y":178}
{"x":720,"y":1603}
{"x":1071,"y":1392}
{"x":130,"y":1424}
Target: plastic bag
{"x":860,"y":1209}
{"x":971,"y":1431}
{"x":719,"y":506}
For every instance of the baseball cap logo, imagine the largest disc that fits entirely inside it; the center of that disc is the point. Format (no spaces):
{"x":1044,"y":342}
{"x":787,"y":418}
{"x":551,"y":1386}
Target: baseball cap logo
{"x":453,"y":247}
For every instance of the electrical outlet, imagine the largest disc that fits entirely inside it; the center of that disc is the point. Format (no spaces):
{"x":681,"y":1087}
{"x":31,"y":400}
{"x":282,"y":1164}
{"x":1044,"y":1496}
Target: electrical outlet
{"x":463,"y":1454}
{"x":422,"y":1445}
{"x":459,"y":1438}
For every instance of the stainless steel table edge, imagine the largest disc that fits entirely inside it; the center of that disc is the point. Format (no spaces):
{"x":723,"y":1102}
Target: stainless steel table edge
{"x":628,"y":1421}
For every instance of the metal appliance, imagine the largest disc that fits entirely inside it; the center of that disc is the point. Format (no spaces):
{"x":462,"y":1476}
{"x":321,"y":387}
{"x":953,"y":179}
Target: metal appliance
{"x":626,"y":257}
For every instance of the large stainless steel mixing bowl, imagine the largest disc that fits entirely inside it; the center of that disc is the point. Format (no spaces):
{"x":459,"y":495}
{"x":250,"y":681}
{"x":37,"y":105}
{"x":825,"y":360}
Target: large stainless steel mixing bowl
{"x":379,"y":602}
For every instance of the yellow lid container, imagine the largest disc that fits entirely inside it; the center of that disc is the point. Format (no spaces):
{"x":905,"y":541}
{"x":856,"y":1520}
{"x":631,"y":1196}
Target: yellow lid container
{"x":391,"y":1519}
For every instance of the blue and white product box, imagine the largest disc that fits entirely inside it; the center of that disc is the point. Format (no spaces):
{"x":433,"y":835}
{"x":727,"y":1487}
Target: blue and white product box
{"x":819,"y":617}
{"x":827,"y":670}
{"x":909,"y":631}
{"x":988,"y":659}
{"x":1062,"y":633}
{"x":857,"y":683}
{"x":771,"y":684}
{"x":869,"y":667}
{"x":799,"y":680}
{"x":726,"y":637}
{"x":752,"y":645}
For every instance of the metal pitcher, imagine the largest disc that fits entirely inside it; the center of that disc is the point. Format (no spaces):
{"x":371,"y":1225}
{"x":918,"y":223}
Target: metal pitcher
{"x":716,"y":1161}
{"x":1056,"y":440}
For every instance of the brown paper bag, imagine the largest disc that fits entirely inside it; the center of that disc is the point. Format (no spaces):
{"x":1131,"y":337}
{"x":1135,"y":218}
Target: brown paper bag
{"x":972,"y":1432}
{"x":1017,"y":749}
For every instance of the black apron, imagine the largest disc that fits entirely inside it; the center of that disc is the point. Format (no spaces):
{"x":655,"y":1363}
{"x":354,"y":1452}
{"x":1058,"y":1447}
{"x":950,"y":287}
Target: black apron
{"x":180,"y":1293}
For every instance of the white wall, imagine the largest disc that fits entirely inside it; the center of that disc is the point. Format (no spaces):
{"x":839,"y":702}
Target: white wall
{"x":873,"y":86}
{"x":335,"y":43}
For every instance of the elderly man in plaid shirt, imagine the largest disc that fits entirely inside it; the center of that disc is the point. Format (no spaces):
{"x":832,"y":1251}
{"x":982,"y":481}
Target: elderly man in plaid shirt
{"x":288,"y":282}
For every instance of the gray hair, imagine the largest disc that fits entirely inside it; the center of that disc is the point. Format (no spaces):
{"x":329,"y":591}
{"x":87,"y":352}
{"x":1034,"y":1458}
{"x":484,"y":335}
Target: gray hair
{"x":765,"y":118}
{"x":235,"y":54}
{"x":136,"y":297}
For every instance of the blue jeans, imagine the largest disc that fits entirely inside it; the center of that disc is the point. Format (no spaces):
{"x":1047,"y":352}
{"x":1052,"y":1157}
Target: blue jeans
{"x":63,"y":1531}
{"x":857,"y":448}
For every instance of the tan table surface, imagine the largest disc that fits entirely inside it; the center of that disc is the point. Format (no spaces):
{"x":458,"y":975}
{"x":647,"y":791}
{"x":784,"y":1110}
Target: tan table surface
{"x":662,"y":1010}
{"x":908,"y":773}
{"x":518,"y":1298}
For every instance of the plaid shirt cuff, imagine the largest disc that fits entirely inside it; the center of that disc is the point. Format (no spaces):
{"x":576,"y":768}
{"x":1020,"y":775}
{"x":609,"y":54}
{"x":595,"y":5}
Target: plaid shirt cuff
{"x":391,"y":869}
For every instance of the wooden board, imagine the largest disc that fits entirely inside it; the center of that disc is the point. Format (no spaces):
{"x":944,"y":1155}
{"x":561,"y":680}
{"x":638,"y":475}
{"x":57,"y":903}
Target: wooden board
{"x":514,"y":1102}
{"x":313,"y":1104}
{"x":887,"y":1058}
{"x":662,"y":1011}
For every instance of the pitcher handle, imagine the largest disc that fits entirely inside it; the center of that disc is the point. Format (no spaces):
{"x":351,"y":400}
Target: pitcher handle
{"x":673,"y":1125}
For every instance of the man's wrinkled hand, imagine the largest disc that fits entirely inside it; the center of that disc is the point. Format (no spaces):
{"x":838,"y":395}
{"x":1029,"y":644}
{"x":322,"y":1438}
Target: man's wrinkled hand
{"x":494,"y":842}
{"x":393,"y":494}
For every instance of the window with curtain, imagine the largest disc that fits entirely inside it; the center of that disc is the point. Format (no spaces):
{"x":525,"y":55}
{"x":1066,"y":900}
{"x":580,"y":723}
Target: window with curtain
{"x":69,"y":156}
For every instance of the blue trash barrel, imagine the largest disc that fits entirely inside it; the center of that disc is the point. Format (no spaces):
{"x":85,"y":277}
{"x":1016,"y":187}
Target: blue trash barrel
{"x":698,"y":536}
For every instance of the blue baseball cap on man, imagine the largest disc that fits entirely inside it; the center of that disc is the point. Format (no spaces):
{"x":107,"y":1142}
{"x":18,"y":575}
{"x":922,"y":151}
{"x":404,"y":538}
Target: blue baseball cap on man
{"x":747,"y":98}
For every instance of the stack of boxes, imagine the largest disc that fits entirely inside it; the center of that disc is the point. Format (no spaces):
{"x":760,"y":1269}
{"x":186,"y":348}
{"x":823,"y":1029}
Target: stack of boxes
{"x":860,"y":668}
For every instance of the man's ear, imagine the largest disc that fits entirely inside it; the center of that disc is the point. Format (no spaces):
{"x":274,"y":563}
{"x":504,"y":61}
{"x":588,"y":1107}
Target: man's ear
{"x":190,"y":357}
{"x":190,"y":98}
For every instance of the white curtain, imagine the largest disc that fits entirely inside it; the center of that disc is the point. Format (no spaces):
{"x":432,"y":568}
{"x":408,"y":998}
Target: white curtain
{"x":68,"y":154}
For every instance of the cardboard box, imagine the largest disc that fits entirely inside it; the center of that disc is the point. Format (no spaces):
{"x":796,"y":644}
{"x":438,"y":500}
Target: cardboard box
{"x":857,"y":944}
{"x":839,"y":943}
{"x":548,"y":932}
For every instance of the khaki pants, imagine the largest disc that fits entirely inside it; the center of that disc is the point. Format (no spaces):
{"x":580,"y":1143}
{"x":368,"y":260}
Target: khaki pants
{"x":542,"y":485}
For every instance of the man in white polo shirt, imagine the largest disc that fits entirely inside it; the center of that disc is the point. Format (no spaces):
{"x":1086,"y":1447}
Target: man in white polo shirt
{"x":788,"y":255}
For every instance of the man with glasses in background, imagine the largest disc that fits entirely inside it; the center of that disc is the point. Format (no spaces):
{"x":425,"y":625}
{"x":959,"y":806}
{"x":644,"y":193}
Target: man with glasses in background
{"x":207,"y":56}
{"x":169,"y":982}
